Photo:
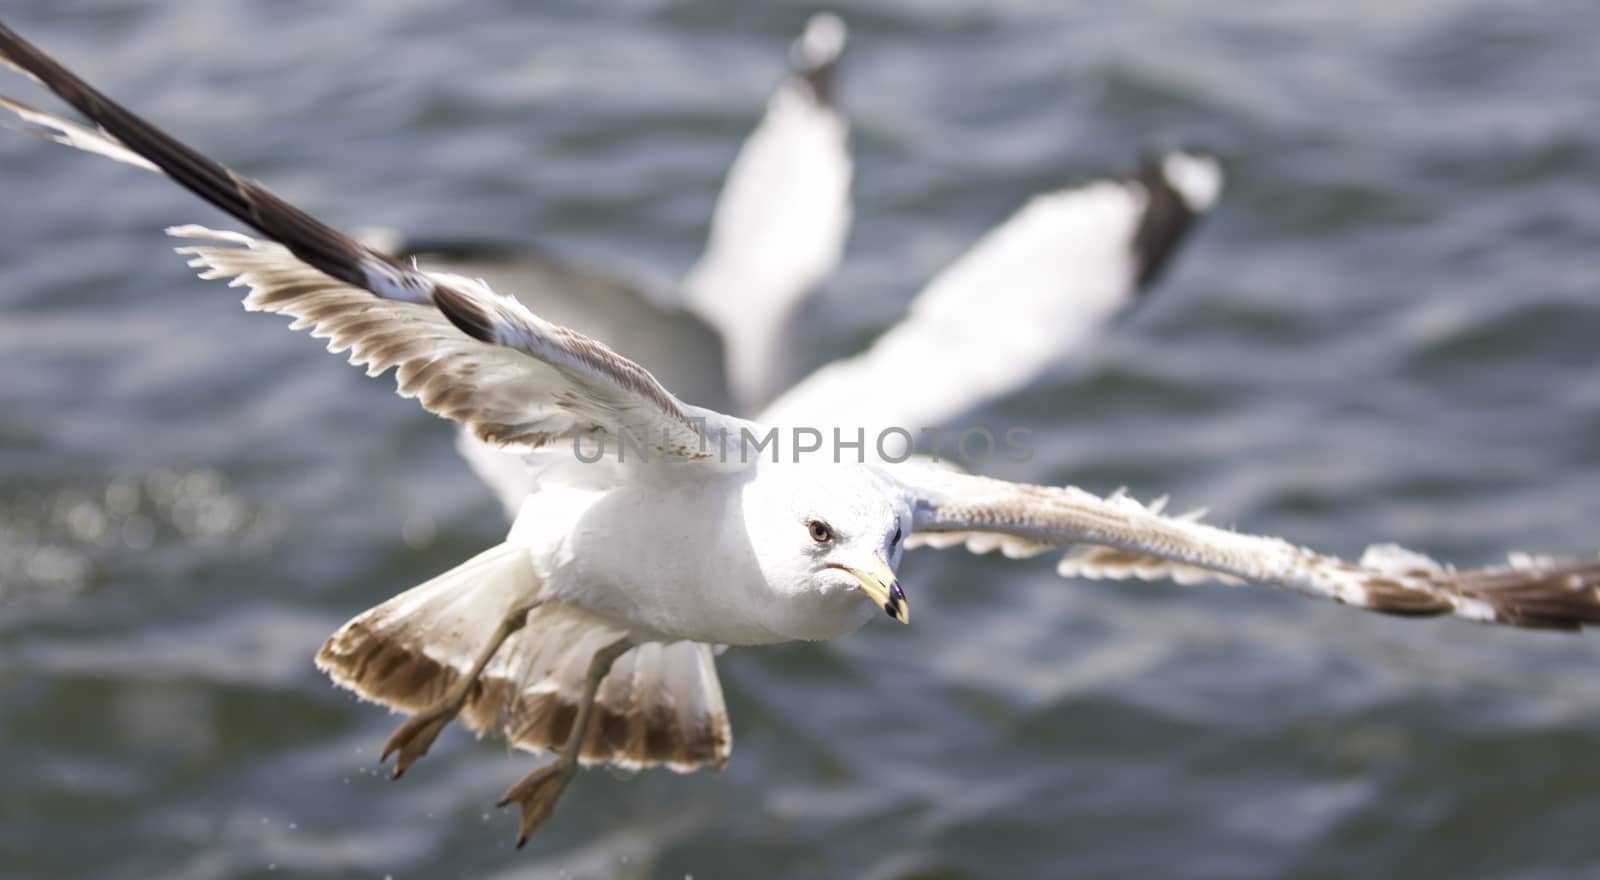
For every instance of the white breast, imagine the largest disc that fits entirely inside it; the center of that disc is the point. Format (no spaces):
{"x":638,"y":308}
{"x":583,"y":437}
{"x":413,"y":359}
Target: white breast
{"x":669,"y":558}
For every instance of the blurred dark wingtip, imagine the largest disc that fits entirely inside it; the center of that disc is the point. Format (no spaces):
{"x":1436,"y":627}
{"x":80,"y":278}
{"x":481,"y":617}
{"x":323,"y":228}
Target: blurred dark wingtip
{"x":1550,"y":595}
{"x":1180,"y":186}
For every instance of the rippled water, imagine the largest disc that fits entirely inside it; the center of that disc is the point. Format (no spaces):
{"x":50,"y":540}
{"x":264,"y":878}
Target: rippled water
{"x":1387,"y":331}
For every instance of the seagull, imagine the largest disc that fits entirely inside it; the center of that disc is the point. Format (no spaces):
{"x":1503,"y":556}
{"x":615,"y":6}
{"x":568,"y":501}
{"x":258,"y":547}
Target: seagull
{"x":1041,"y":284}
{"x":561,"y":638}
{"x":733,"y":333}
{"x":1047,"y":280}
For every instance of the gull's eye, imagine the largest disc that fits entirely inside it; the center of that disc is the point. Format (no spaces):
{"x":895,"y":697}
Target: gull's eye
{"x":820,"y":531}
{"x":895,"y":542}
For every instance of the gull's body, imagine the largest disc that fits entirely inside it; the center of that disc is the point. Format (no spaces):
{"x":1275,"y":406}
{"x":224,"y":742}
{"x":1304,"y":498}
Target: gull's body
{"x":588,"y":630}
{"x":721,"y":591}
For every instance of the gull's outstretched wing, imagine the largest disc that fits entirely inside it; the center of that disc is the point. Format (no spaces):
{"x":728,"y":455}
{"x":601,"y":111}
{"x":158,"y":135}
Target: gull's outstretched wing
{"x":465,"y":352}
{"x":1118,"y":538}
{"x":781,"y":221}
{"x":683,"y":352}
{"x":1029,"y":294}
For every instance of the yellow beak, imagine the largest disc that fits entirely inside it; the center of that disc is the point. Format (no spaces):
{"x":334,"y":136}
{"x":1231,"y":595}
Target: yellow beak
{"x":883,"y":588}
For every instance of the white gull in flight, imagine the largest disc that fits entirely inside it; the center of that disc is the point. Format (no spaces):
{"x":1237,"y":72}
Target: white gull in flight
{"x":1046,"y":282}
{"x":735,"y":332}
{"x":559,"y":637}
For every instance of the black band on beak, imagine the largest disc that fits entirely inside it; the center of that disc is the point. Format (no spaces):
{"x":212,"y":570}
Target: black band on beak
{"x":895,"y":607}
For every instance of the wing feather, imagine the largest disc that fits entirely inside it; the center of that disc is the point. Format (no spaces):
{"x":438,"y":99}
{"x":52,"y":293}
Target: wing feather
{"x":1118,"y":538}
{"x":462,"y":350}
{"x":779,"y":226}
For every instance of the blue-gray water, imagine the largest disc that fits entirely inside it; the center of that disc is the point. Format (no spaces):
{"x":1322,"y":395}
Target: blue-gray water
{"x":1387,"y":331}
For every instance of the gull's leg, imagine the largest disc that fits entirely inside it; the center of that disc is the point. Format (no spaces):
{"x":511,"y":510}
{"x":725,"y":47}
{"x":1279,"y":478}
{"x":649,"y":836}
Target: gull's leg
{"x":538,"y":792}
{"x":413,"y":738}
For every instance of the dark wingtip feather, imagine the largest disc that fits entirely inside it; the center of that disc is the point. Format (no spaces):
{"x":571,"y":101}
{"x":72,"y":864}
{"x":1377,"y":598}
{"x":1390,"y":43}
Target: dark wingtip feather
{"x":309,"y":239}
{"x":1169,"y":213}
{"x":467,"y":315}
{"x":1554,"y":595}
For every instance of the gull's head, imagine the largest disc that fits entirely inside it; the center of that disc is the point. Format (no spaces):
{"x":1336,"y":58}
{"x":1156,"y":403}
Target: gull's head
{"x":829,"y":538}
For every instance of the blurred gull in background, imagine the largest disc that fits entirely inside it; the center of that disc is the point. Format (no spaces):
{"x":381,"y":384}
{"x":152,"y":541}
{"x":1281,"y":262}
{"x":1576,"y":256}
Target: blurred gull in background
{"x":739,"y":330}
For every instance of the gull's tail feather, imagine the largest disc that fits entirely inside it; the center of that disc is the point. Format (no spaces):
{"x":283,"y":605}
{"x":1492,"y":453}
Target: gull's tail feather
{"x":406,"y":652}
{"x":661,"y":705}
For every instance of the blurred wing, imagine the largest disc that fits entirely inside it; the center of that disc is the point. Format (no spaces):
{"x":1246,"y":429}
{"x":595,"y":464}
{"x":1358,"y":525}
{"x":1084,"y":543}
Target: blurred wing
{"x":1119,"y":538}
{"x":464,"y":351}
{"x":1028,"y":295}
{"x":780,"y":223}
